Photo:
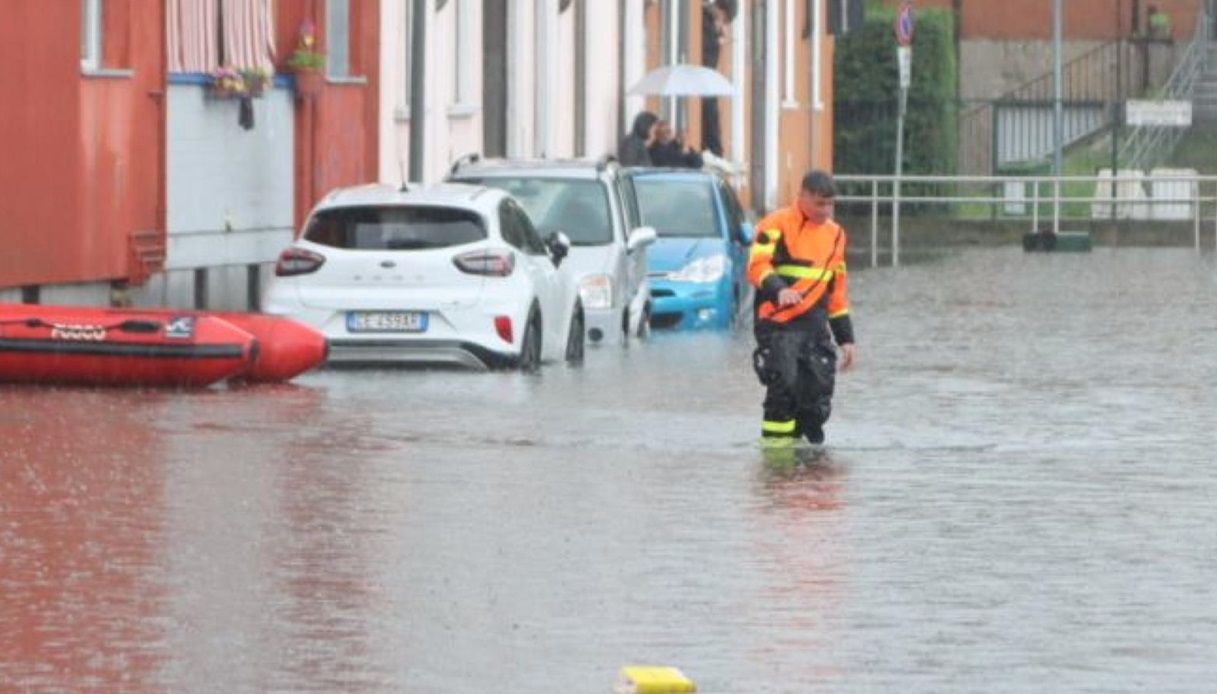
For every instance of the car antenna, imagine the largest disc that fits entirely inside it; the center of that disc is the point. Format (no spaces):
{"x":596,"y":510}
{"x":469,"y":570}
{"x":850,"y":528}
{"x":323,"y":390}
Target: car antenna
{"x":401,"y":165}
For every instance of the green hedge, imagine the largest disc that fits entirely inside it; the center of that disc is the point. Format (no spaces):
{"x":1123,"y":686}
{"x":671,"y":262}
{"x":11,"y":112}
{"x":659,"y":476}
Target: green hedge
{"x":865,"y":93}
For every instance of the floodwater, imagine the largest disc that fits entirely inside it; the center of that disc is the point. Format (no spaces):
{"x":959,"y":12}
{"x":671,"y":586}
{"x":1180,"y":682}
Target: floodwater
{"x":1018,"y":496}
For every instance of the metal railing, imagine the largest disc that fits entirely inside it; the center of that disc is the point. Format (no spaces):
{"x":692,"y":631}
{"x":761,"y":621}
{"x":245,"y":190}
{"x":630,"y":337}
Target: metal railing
{"x":1146,"y":146}
{"x":1089,"y":82}
{"x":1043,"y":198}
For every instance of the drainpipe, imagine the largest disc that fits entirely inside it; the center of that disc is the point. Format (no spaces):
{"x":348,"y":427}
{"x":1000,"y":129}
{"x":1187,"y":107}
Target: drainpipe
{"x":418,"y":92}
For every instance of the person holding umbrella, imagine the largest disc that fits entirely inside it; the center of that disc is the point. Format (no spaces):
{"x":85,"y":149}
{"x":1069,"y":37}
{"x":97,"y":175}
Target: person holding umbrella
{"x":669,"y":150}
{"x":634,"y":149}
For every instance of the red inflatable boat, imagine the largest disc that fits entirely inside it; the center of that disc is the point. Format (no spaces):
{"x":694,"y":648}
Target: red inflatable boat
{"x":153,"y":347}
{"x":286,"y":348}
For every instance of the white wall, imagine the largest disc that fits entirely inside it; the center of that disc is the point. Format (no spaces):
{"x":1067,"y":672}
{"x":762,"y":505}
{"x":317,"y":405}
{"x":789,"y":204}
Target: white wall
{"x":452,"y":129}
{"x":603,"y":77}
{"x":521,"y":78}
{"x":230,"y":191}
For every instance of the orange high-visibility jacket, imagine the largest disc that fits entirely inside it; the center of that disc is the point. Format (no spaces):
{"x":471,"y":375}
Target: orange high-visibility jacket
{"x":791,"y":252}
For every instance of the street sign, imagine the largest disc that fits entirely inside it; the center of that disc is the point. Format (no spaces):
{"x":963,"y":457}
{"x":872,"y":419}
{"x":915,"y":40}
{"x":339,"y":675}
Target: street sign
{"x":1176,"y":114}
{"x":904,"y":56}
{"x":904,"y":24}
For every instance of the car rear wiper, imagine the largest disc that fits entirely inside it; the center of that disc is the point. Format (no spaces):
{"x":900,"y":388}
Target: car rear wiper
{"x":408,"y":245}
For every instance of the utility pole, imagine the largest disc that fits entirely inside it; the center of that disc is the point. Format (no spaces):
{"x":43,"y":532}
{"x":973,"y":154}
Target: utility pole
{"x":1057,"y":108}
{"x":1057,"y":117}
{"x":1118,"y":102}
{"x":904,"y":59}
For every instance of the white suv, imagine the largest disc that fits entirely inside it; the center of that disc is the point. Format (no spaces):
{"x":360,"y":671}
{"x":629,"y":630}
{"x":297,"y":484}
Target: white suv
{"x":448,"y":274}
{"x":594,"y":205}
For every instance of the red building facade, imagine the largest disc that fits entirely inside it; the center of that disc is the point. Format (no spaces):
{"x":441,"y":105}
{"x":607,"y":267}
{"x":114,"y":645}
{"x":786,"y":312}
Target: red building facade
{"x":83,"y":170}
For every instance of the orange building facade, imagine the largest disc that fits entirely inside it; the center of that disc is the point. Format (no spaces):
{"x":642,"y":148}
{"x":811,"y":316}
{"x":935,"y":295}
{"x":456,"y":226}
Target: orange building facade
{"x":779,"y":55}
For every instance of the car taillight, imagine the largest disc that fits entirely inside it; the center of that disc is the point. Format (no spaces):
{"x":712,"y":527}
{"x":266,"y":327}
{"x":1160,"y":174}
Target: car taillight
{"x":502,"y":325}
{"x":297,"y":261}
{"x":494,"y":263}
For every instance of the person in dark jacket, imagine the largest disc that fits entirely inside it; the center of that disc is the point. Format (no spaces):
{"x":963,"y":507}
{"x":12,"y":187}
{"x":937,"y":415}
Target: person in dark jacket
{"x":670,"y":152}
{"x":716,"y":16}
{"x":633,"y":150}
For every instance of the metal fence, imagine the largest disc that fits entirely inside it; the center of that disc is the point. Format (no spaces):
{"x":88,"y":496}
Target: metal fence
{"x":1147,"y":145}
{"x":1035,"y":200}
{"x":1017,"y":126}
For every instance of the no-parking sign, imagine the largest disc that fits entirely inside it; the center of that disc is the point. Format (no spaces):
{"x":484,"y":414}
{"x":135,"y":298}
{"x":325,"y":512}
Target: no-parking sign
{"x":904,"y":24}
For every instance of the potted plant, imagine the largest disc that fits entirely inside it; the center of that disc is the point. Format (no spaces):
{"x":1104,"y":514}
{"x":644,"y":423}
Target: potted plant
{"x":228,"y":83}
{"x":257,"y":80}
{"x":307,"y":62}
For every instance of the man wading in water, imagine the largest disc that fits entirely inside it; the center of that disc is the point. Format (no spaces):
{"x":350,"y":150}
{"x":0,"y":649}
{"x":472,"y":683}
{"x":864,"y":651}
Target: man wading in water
{"x":797,"y":264}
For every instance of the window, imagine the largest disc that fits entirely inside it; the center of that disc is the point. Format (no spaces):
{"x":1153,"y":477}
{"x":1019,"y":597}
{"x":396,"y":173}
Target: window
{"x":202,"y":36}
{"x":735,"y":213}
{"x":338,"y":38}
{"x":394,"y":228}
{"x":509,"y":226}
{"x":517,"y":229}
{"x":677,"y":208}
{"x":90,"y":34}
{"x":463,"y":54}
{"x":629,"y":202}
{"x":788,"y":92}
{"x":577,"y":208}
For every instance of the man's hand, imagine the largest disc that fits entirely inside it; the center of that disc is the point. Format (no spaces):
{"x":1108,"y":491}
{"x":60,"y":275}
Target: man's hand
{"x":847,"y":356}
{"x":789,"y":297}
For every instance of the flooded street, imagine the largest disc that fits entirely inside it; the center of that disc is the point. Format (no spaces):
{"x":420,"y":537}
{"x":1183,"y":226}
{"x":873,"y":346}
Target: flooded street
{"x":1018,"y":495}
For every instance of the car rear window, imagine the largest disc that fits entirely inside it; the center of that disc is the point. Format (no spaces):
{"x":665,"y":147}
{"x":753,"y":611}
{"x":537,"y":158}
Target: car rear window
{"x":676,"y":208}
{"x":577,"y":207}
{"x":394,"y":228}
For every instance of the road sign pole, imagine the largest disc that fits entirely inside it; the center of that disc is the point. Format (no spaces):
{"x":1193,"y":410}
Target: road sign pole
{"x":904,"y":61}
{"x":899,"y":171}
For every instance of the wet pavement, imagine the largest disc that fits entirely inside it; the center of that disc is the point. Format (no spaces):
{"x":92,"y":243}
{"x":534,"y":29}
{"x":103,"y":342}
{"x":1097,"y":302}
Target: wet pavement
{"x":1018,"y":495}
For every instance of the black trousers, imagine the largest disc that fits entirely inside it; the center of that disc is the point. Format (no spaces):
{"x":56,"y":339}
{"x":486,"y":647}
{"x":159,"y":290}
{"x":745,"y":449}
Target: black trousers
{"x":798,"y":365}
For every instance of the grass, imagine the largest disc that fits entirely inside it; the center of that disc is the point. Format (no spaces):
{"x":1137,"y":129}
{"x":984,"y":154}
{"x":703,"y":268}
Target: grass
{"x":1197,"y":150}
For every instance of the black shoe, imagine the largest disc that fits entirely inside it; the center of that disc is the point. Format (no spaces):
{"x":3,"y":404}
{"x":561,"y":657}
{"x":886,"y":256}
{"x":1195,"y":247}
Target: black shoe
{"x":814,"y":433}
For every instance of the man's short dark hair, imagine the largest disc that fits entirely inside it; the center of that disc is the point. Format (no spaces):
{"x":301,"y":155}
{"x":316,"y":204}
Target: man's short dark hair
{"x":819,"y":183}
{"x":729,"y":8}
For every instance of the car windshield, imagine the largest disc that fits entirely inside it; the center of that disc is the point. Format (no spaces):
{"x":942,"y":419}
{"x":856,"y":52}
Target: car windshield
{"x":676,"y":208}
{"x":396,"y":228}
{"x":577,"y":208}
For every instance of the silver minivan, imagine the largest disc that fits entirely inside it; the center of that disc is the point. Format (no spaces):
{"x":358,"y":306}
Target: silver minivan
{"x":593,"y":204}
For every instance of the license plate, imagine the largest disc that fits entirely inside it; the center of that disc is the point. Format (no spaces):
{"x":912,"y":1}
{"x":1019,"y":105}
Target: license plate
{"x":386,"y":322}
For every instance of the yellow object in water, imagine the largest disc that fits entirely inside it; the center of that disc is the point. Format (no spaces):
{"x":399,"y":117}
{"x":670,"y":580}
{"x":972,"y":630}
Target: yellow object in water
{"x":651,"y":679}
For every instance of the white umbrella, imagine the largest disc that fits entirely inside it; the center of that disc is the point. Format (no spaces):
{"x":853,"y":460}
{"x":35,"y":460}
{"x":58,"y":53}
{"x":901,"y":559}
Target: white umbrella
{"x":683,"y":80}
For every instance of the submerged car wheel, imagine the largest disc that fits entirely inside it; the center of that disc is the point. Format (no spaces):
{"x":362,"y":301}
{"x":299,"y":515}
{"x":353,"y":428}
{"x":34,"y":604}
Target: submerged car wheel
{"x":530,"y":348}
{"x":578,"y":338}
{"x":644,"y":323}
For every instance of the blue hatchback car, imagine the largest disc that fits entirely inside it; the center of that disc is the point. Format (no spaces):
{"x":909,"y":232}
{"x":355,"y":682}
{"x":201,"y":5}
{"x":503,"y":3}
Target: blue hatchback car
{"x":696,"y":268}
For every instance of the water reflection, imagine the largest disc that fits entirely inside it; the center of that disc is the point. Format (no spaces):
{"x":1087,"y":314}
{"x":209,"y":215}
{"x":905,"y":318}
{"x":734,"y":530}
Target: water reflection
{"x":800,"y":539}
{"x":82,"y":509}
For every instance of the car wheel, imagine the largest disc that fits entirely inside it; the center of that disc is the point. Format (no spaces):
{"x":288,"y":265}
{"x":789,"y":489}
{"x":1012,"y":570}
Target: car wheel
{"x":577,"y":340}
{"x":733,"y":321}
{"x":644,"y":324}
{"x":530,"y":348}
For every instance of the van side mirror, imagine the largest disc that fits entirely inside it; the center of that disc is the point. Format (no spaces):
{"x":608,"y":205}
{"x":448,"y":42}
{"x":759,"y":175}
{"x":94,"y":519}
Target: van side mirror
{"x":558,"y":245}
{"x":641,"y":238}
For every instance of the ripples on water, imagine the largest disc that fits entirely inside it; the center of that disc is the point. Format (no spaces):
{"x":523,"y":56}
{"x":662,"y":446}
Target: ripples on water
{"x":1017,"y":497}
